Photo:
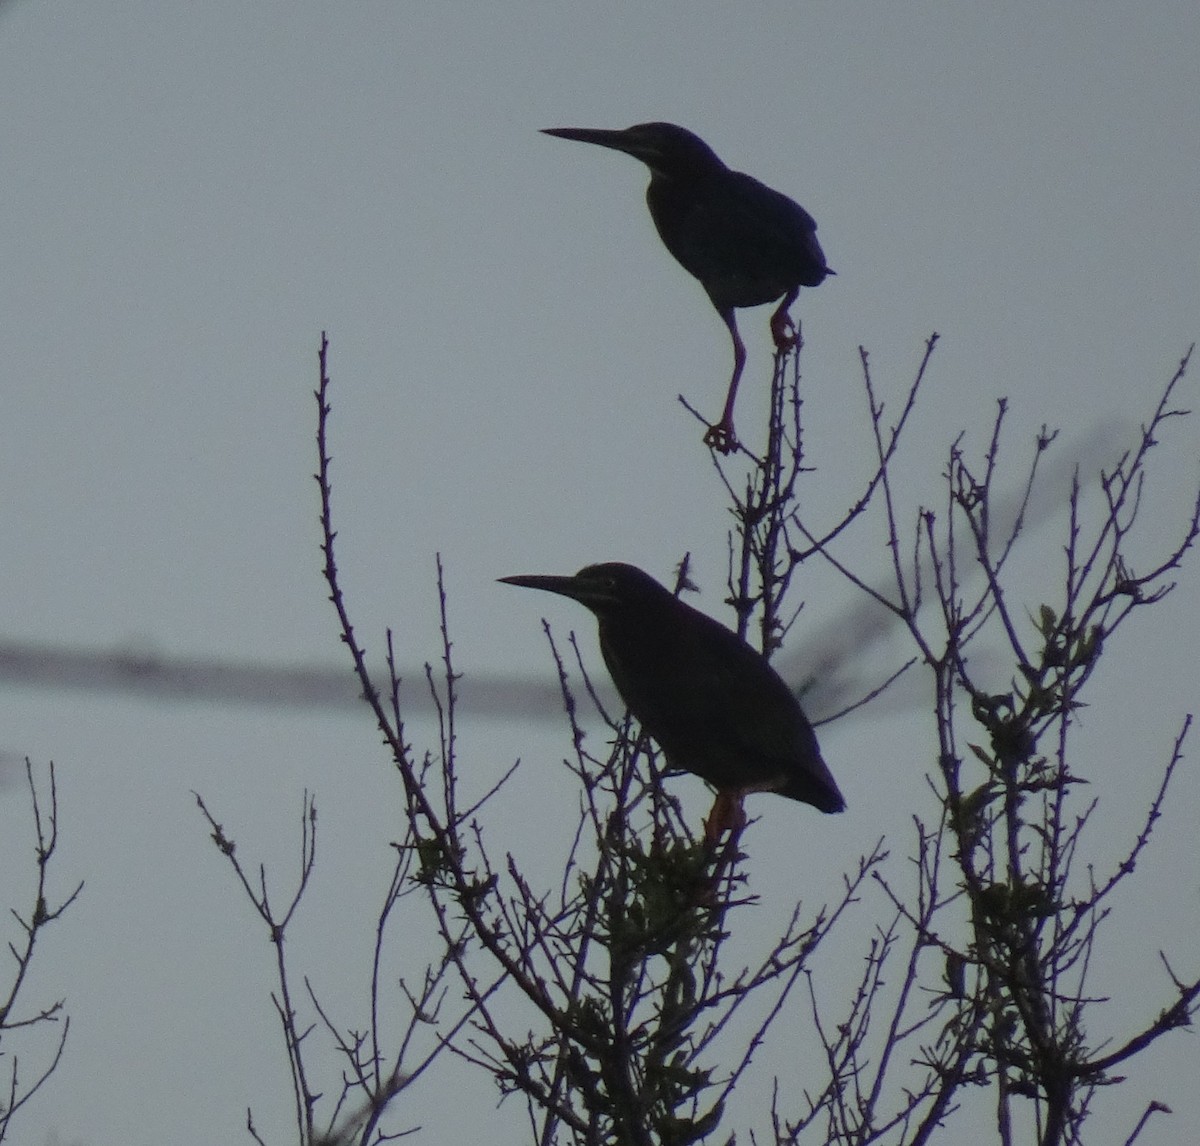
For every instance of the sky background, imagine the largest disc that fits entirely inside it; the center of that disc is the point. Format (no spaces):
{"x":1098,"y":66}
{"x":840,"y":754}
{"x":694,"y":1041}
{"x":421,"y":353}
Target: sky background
{"x":193,"y":192}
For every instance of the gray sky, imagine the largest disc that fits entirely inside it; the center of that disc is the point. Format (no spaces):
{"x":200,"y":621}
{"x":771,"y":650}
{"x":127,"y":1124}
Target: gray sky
{"x":193,"y":192}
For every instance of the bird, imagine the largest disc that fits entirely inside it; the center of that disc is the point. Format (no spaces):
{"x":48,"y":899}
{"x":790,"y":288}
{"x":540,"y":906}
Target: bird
{"x":713,"y":704}
{"x":747,"y":243}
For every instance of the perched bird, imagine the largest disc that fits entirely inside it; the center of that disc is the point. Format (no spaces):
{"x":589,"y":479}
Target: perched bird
{"x":746,"y":243}
{"x":714,"y":705}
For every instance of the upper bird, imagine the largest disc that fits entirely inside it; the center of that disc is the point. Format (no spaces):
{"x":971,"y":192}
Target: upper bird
{"x":714,"y":705}
{"x":746,"y":243}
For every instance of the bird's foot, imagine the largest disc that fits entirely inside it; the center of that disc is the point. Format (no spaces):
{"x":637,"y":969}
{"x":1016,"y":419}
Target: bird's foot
{"x":785,"y":332}
{"x":721,"y":438}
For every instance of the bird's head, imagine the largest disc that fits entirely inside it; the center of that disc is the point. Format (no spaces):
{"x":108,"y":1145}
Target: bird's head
{"x":609,"y":590}
{"x":666,"y":148}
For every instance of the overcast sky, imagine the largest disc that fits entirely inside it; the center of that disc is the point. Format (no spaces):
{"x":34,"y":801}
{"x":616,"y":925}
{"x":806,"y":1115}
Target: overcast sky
{"x":193,"y":192}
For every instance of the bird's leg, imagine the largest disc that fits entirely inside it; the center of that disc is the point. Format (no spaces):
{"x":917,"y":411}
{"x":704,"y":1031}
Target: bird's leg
{"x":727,"y":815}
{"x":721,"y":437}
{"x":783,"y":329}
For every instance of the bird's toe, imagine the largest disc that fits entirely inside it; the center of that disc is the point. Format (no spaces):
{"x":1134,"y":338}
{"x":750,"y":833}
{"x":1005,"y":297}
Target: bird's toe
{"x":721,"y":438}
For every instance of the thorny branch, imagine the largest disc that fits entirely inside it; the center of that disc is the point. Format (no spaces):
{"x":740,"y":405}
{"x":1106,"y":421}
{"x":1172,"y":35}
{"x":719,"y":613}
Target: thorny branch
{"x":622,"y":966}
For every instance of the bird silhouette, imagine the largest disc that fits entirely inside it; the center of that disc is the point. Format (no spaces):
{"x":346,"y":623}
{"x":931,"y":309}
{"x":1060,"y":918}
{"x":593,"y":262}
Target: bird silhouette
{"x":746,"y":243}
{"x":713,"y":704}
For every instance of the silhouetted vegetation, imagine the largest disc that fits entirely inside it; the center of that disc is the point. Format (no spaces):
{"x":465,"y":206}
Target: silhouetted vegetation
{"x":601,"y":990}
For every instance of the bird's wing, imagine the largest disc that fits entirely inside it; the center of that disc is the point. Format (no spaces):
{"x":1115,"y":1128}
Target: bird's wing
{"x":714,"y":705}
{"x":746,"y":243}
{"x":779,"y":220}
{"x":771,"y":207}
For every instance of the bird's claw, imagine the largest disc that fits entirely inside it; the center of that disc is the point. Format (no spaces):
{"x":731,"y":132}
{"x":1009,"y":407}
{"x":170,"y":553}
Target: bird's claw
{"x":721,"y":438}
{"x":784,"y":331}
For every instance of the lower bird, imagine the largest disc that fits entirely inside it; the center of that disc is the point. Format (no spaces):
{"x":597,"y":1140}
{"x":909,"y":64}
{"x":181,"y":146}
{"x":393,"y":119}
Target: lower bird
{"x":746,"y":243}
{"x":713,"y":704}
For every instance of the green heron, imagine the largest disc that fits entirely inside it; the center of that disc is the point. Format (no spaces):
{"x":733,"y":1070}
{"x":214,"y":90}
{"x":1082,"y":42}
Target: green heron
{"x":746,"y":243}
{"x":714,"y":705}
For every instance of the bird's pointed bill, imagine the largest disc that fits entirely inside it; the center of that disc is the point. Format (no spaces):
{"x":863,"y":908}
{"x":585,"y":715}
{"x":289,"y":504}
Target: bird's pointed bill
{"x":618,"y":140}
{"x":572,"y":587}
{"x":589,"y":591}
{"x":605,"y":137}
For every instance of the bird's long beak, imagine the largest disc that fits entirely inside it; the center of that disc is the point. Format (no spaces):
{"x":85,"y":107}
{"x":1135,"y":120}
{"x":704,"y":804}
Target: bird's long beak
{"x":567,"y":586}
{"x":581,"y":591}
{"x":618,"y":140}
